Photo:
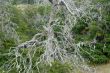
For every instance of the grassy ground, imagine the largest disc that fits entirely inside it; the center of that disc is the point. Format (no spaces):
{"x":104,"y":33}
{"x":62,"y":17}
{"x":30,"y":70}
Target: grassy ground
{"x":103,"y":68}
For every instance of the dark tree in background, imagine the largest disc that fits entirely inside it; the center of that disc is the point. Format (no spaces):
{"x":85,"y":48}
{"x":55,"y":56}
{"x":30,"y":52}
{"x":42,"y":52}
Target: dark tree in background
{"x":23,"y":1}
{"x":30,"y":1}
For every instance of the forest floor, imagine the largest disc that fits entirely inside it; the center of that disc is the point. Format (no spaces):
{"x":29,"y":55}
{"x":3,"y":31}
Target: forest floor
{"x":105,"y":68}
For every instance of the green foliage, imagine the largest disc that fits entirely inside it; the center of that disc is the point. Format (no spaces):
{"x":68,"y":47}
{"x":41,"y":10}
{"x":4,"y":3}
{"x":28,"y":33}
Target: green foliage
{"x":59,"y":68}
{"x":44,"y":10}
{"x":7,"y":43}
{"x":95,"y":29}
{"x":99,"y":59}
{"x":80,"y":26}
{"x":25,"y":30}
{"x":98,"y":55}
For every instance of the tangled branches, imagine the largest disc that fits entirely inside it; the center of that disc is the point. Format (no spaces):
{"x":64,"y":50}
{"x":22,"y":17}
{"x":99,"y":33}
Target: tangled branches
{"x":56,"y":44}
